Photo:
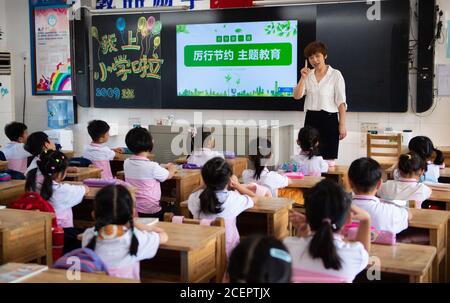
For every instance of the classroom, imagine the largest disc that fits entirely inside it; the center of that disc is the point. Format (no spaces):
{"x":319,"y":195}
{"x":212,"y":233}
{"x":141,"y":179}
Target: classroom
{"x":224,"y":141}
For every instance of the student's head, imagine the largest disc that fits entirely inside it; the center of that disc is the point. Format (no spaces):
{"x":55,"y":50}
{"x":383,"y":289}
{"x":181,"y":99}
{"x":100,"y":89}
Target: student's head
{"x":411,"y":165}
{"x":139,"y":140}
{"x":207,"y":140}
{"x":113,"y":205}
{"x":53,"y":166}
{"x":216,"y":175}
{"x":316,"y":52}
{"x":16,"y":131}
{"x":365,"y":175}
{"x":260,"y":259}
{"x":327,"y":211}
{"x":38,"y":142}
{"x":308,"y":139}
{"x":260,"y":152}
{"x":99,"y":131}
{"x":424,"y":147}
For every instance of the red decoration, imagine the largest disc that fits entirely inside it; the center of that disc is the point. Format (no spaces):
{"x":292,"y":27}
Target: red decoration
{"x":231,"y":3}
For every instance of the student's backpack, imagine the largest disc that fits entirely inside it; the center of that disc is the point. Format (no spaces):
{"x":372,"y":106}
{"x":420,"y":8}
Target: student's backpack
{"x":15,"y":175}
{"x":87,"y":260}
{"x":34,"y":201}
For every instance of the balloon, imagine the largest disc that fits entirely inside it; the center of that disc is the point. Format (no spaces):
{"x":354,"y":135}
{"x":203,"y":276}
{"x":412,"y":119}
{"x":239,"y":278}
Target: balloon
{"x":142,"y":23}
{"x":94,"y":32}
{"x":150,"y":22}
{"x":120,"y":24}
{"x":157,"y":41}
{"x":157,"y":28}
{"x":144,"y":32}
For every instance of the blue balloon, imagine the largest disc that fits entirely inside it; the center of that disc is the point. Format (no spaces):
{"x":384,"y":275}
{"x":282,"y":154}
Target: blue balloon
{"x":120,"y":24}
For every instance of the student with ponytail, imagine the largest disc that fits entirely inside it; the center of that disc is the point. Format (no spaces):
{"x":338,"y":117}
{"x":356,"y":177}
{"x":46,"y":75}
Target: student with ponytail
{"x":36,"y":143}
{"x":116,"y":238}
{"x":260,"y":154}
{"x":322,"y":251}
{"x":424,"y":147}
{"x":218,"y":199}
{"x":203,"y":151}
{"x":308,"y":161}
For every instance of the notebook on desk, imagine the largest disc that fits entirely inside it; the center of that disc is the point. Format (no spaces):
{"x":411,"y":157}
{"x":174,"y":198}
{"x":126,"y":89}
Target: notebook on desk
{"x":16,"y":272}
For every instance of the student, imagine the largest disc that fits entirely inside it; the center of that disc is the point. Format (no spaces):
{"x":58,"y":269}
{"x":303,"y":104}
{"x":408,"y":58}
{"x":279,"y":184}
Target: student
{"x":217,"y":199}
{"x":14,"y":152}
{"x":424,"y":147}
{"x":97,"y":152}
{"x":204,"y":153}
{"x":365,"y":179}
{"x":260,"y":259}
{"x":308,"y":161}
{"x":411,"y":167}
{"x":36,"y":143}
{"x":116,"y":238}
{"x":46,"y":180}
{"x":323,"y":252}
{"x":260,"y":153}
{"x":146,"y":175}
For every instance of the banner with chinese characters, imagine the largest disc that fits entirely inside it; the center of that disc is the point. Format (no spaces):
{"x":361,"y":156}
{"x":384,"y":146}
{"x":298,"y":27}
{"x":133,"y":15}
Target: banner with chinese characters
{"x":127,"y":61}
{"x":52,"y":51}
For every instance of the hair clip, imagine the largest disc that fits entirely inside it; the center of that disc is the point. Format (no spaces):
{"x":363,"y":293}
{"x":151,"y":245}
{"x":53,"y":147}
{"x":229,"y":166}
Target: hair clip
{"x":409,"y":156}
{"x":280,"y":254}
{"x":57,"y":160}
{"x":52,"y":168}
{"x":96,"y":233}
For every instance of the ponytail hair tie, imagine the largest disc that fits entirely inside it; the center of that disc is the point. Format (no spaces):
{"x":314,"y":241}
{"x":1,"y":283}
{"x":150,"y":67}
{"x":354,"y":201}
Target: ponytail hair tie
{"x":328,"y":221}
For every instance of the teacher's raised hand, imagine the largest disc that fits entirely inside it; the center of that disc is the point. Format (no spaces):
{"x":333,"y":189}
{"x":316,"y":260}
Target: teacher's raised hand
{"x":305,"y":70}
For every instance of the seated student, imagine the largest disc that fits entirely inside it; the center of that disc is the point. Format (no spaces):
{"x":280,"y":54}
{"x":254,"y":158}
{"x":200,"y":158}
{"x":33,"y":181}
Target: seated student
{"x":260,"y":154}
{"x":116,"y":238}
{"x":204,"y":153}
{"x":411,"y":167}
{"x":14,"y":152}
{"x":36,"y":143}
{"x":308,"y":161}
{"x":319,"y":249}
{"x":365,"y":179}
{"x":260,"y":259}
{"x":146,"y":175}
{"x":97,"y":152}
{"x":424,"y":147}
{"x":46,"y":180}
{"x":217,"y":199}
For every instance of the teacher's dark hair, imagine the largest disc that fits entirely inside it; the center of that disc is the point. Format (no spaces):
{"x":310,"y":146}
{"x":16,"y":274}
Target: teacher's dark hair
{"x":314,"y":48}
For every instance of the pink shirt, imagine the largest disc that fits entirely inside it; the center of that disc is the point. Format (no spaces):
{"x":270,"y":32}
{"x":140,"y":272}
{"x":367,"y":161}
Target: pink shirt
{"x":146,"y":176}
{"x":100,"y":155}
{"x":16,"y":156}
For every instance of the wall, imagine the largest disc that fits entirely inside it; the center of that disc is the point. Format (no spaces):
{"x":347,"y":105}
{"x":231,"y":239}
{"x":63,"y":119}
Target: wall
{"x":435,"y":124}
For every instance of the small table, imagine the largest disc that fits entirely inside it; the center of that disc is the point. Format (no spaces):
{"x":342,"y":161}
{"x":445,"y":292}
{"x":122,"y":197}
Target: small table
{"x":441,"y":196}
{"x":25,"y":236}
{"x":84,"y":173}
{"x":194,"y":253}
{"x":299,"y":186}
{"x":3,"y":165}
{"x":411,"y":260}
{"x":11,"y":190}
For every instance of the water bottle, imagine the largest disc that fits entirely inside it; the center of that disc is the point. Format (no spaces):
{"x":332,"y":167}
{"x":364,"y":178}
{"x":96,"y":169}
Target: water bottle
{"x":57,"y":113}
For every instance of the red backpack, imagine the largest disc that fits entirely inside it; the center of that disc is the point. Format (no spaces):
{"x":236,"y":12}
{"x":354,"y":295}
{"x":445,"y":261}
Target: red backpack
{"x":34,"y":201}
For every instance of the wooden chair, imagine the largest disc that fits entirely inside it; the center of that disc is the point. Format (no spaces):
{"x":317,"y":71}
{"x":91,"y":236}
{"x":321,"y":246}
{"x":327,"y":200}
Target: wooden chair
{"x":386,"y":149}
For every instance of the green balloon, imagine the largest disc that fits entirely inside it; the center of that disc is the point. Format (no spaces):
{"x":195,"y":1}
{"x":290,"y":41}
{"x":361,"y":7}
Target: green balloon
{"x":157,"y":28}
{"x":142,"y":23}
{"x":94,"y":32}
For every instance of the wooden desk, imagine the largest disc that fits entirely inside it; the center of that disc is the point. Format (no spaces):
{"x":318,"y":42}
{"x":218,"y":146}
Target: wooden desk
{"x":3,"y":165}
{"x":269,"y":216}
{"x":305,"y":183}
{"x":297,"y":188}
{"x":117,"y":163}
{"x":194,"y":253}
{"x":411,"y":260}
{"x":446,"y":151}
{"x":441,"y":196}
{"x":68,"y":153}
{"x":436,"y":222}
{"x":60,"y":276}
{"x":11,"y":190}
{"x":84,"y":173}
{"x":25,"y":236}
{"x":444,"y":175}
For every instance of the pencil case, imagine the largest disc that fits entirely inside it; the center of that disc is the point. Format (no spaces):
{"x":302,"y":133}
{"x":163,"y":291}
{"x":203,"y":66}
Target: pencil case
{"x":4,"y":177}
{"x":93,"y":182}
{"x":294,"y":175}
{"x":376,"y":236}
{"x":190,"y":166}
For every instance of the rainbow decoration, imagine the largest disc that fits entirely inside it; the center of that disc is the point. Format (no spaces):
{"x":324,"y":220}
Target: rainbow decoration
{"x":58,"y":80}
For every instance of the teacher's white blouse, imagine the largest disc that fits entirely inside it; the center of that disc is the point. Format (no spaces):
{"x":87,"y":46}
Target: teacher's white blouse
{"x":326,"y":95}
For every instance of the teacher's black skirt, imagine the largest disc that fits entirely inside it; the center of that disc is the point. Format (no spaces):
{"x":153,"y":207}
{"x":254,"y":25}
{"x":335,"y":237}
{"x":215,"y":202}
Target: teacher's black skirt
{"x":328,"y":126}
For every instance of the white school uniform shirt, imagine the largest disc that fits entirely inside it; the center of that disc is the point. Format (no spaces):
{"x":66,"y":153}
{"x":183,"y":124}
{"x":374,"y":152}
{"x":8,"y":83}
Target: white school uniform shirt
{"x":354,"y":257}
{"x":310,"y":167}
{"x":32,"y":165}
{"x":385,"y":216}
{"x":326,"y":95}
{"x":200,"y":157}
{"x":431,"y":175}
{"x":404,"y":189}
{"x":64,"y":197}
{"x":233,"y":203}
{"x":115,"y":253}
{"x":270,"y":179}
{"x":100,"y":155}
{"x":146,"y":176}
{"x":16,"y":156}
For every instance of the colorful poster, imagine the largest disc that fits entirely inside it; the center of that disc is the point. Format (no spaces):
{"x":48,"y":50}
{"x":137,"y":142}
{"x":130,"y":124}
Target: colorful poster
{"x":246,"y":59}
{"x":52,"y":47}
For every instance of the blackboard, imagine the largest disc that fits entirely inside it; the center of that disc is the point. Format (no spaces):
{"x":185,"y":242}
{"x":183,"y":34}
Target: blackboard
{"x":126,"y":56}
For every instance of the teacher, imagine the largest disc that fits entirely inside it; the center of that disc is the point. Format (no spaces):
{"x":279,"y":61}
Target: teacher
{"x":324,"y":88}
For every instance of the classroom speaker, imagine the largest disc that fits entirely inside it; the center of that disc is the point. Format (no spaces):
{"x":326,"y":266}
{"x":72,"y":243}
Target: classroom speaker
{"x":80,"y":55}
{"x":425,"y":54}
